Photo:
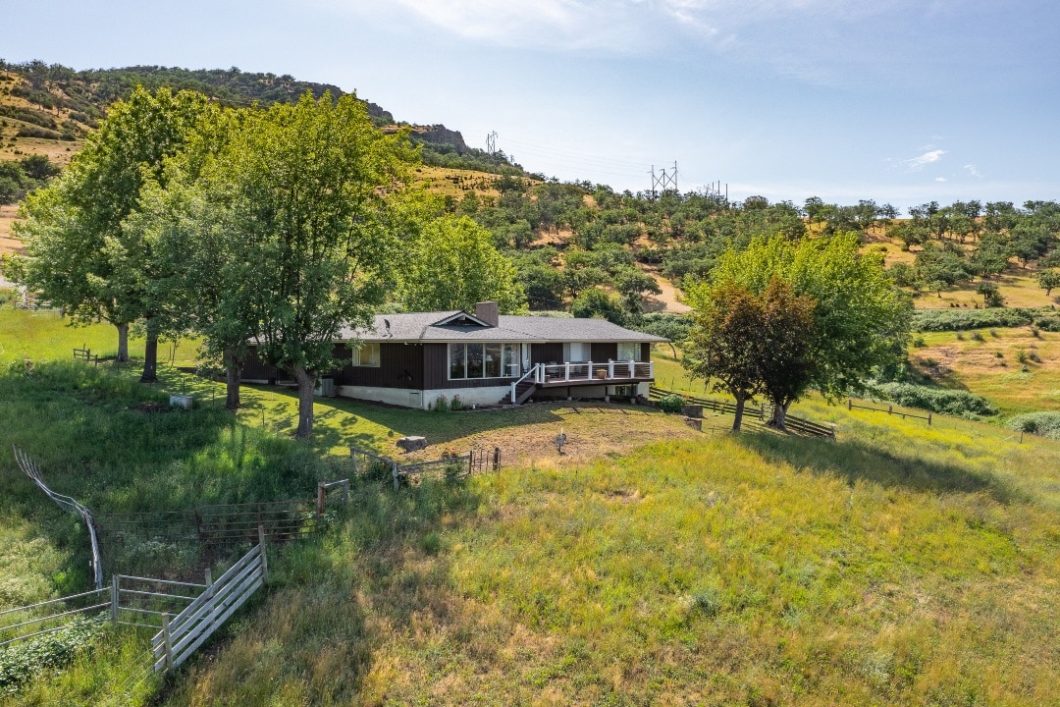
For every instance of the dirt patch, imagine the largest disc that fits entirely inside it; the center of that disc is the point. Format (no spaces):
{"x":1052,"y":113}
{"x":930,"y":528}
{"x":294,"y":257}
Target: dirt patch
{"x":592,"y":431}
{"x":669,"y":300}
{"x":8,"y":242}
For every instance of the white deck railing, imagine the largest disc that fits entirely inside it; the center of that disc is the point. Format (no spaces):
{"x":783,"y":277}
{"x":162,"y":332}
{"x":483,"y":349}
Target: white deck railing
{"x":590,"y":371}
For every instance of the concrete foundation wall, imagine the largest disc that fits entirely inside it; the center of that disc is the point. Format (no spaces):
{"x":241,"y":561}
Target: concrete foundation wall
{"x":425,"y":399}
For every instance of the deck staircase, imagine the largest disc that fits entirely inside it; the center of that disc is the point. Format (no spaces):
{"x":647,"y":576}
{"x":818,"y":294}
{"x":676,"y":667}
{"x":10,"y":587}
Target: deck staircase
{"x":523,"y":391}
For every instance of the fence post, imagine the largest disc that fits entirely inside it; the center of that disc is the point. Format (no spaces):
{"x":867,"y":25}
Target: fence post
{"x":264,"y":556}
{"x":114,"y":598}
{"x":167,"y":641}
{"x":890,"y":409}
{"x":850,"y":404}
{"x":394,"y":473}
{"x":496,"y":458}
{"x":346,"y":491}
{"x":471,"y":461}
{"x":929,"y":419}
{"x":321,"y":493}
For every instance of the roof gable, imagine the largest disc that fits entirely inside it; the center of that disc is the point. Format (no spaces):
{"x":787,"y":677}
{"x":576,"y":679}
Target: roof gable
{"x":461,"y":319}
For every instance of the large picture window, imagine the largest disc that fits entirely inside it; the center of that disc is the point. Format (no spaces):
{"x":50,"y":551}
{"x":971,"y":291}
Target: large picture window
{"x":483,"y":361}
{"x":366,"y":355}
{"x":628,"y":351}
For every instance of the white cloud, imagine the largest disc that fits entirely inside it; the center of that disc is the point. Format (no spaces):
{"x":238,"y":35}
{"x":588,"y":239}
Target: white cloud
{"x":973,"y":170}
{"x":940,"y":179}
{"x":615,"y":25}
{"x":924,"y":159}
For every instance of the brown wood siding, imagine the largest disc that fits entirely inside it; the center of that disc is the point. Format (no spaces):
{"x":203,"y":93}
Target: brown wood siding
{"x":400,"y":366}
{"x":436,"y":371}
{"x":255,"y":369}
{"x":546,"y":353}
{"x":603,"y":352}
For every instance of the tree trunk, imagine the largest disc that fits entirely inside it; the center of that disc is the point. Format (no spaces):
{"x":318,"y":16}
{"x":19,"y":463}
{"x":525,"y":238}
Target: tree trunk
{"x":233,"y":373}
{"x":150,"y":374}
{"x":123,"y":343}
{"x":737,"y":419}
{"x":307,"y":383}
{"x":780,"y":413}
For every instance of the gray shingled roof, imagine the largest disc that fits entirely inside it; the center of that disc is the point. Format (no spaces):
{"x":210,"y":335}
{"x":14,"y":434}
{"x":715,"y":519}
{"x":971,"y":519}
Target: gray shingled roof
{"x":422,"y":326}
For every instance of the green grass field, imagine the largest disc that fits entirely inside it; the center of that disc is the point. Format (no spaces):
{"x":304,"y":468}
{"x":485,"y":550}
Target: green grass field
{"x":903,"y":564}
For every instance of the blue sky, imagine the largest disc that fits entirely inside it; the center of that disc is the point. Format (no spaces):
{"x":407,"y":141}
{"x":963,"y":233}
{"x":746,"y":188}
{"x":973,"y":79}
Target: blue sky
{"x":896,"y":100}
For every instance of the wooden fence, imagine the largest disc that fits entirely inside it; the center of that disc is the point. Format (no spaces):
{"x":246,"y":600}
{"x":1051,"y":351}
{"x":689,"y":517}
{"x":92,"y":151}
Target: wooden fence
{"x":794,"y":423}
{"x":183,"y":634}
{"x":183,"y":614}
{"x":365,"y":461}
{"x":144,"y":602}
{"x":851,"y":405}
{"x":30,"y":469}
{"x":85,"y":354}
{"x":215,"y":527}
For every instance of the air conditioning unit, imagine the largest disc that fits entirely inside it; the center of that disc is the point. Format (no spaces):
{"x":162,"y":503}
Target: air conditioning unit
{"x":326,"y":388}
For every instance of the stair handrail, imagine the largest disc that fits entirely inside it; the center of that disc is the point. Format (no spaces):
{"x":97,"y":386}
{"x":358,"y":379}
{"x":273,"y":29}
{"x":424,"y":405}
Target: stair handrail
{"x":515,"y":384}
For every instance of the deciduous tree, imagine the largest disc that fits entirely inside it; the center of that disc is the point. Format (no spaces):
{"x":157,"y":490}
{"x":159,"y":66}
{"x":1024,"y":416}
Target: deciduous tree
{"x":453,"y":264}
{"x":307,"y":184}
{"x":724,"y":342}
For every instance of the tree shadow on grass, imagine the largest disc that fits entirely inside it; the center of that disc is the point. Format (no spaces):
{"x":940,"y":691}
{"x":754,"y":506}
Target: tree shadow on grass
{"x":853,"y":460}
{"x":340,"y":422}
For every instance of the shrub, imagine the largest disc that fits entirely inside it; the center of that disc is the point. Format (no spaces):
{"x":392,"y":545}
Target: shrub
{"x":672,"y":403}
{"x":952,"y":402}
{"x":1021,"y":356}
{"x":441,"y":404}
{"x":31,"y":131}
{"x":919,"y":342}
{"x":947,"y":320}
{"x":1046,"y":424}
{"x":457,"y":403}
{"x":976,"y":336}
{"x":671,"y":326}
{"x":21,"y":661}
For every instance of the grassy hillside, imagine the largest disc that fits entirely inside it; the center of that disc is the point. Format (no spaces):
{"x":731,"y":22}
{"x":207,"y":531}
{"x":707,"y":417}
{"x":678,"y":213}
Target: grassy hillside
{"x":902,"y":564}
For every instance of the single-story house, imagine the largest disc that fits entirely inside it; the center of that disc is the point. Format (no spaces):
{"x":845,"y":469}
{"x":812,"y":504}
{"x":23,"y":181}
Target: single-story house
{"x":486,"y":358}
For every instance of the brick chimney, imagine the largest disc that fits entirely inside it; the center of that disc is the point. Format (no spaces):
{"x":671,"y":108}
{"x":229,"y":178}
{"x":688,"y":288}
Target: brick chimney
{"x":488,"y":312}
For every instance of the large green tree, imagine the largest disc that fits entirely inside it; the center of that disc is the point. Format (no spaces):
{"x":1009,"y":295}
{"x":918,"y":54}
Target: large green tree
{"x":453,"y":263}
{"x":307,"y":185}
{"x":860,"y":318}
{"x":78,"y":254}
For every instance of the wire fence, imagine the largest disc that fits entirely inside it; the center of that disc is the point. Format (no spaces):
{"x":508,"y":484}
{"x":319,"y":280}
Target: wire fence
{"x":30,"y":469}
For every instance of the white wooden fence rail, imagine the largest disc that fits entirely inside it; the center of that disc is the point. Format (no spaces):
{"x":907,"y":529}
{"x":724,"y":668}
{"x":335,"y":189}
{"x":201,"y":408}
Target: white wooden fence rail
{"x":184,"y":633}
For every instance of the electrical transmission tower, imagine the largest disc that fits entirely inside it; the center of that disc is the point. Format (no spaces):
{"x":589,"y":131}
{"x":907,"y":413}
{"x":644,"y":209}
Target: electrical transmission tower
{"x":663,"y":180}
{"x":491,"y":142}
{"x":716,"y":190}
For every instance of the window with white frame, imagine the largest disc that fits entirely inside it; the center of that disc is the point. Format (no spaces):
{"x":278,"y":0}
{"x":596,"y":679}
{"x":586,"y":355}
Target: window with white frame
{"x":468,"y":361}
{"x":366,"y":355}
{"x":628,"y":351}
